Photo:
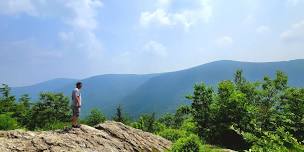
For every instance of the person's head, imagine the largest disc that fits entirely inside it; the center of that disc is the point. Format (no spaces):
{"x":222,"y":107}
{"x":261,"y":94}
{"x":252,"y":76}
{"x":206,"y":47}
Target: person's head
{"x":78,"y":85}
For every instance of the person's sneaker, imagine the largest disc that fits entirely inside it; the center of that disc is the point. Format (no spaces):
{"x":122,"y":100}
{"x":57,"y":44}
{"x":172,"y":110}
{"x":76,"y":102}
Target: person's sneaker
{"x":76,"y":126}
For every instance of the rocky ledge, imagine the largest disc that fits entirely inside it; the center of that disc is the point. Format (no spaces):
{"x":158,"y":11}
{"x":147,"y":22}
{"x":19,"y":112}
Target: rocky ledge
{"x":106,"y":137}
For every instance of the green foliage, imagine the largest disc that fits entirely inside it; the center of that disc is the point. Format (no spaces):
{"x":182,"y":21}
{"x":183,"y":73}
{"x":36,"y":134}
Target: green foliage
{"x":182,"y":113}
{"x":201,"y":102}
{"x":269,"y":115}
{"x":254,"y":110}
{"x":147,"y":122}
{"x":7,"y":102}
{"x":292,"y":102}
{"x":190,"y":143}
{"x":7,"y":122}
{"x":95,"y":117}
{"x":168,"y":120}
{"x":172,"y":134}
{"x":52,"y":107}
{"x":120,"y":116}
{"x":189,"y":125}
{"x":232,"y":108}
{"x":55,"y":125}
{"x":23,"y":110}
{"x":278,"y":140}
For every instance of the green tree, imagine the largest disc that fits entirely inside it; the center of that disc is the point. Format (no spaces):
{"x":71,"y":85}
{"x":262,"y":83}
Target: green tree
{"x":23,"y":110}
{"x":7,"y":122}
{"x":268,"y":103}
{"x":190,"y":143}
{"x":182,"y":113}
{"x":292,"y":102}
{"x":95,"y":117}
{"x":239,"y":79}
{"x":147,"y":122}
{"x":234,"y":109}
{"x":201,"y":102}
{"x":172,"y":134}
{"x":7,"y":101}
{"x":120,"y":116}
{"x":51,"y":107}
{"x":168,"y":120}
{"x":247,"y":88}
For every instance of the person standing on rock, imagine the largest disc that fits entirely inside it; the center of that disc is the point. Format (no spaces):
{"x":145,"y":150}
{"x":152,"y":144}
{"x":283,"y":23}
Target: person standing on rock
{"x":76,"y":104}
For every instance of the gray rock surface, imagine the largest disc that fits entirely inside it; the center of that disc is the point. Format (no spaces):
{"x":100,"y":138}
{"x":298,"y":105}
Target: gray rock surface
{"x":106,"y":137}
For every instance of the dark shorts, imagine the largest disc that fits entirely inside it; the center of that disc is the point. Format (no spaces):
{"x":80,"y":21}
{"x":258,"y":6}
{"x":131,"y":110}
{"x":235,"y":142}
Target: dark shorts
{"x":76,"y":111}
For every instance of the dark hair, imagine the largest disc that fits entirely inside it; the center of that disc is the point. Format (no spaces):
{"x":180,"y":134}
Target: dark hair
{"x":78,"y":83}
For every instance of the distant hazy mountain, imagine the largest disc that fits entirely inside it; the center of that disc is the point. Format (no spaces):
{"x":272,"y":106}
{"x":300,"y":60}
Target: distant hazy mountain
{"x":107,"y":91}
{"x":165,"y":91}
{"x":34,"y":90}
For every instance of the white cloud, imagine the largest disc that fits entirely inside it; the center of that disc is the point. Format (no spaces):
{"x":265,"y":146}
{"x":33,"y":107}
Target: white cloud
{"x":262,"y":29}
{"x":14,"y":7}
{"x":83,"y":20}
{"x":80,"y":15}
{"x":155,"y":48}
{"x":185,"y":17}
{"x":294,"y":2}
{"x":164,"y":3}
{"x":224,"y":41}
{"x":28,"y":52}
{"x":159,"y":16}
{"x":294,"y":34}
{"x":84,"y":13}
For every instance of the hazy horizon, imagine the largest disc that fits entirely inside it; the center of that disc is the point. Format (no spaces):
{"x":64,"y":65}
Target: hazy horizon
{"x":42,"y":40}
{"x":147,"y":73}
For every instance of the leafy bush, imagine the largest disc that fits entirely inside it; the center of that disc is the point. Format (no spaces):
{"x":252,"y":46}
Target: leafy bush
{"x":147,"y":122}
{"x":168,"y":120}
{"x":189,"y":125}
{"x":51,"y":108}
{"x":191,"y":143}
{"x":172,"y":134}
{"x":252,"y":109}
{"x":120,"y":116}
{"x":7,"y":101}
{"x":7,"y":122}
{"x":55,"y":125}
{"x":278,"y":140}
{"x":95,"y":117}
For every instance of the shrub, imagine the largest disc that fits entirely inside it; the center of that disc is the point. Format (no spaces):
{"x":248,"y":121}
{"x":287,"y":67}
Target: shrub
{"x":191,"y":143}
{"x":55,"y":125}
{"x":51,"y":108}
{"x":172,"y":134}
{"x":278,"y":140}
{"x":147,"y":122}
{"x":189,"y":125}
{"x":7,"y":122}
{"x":95,"y":117}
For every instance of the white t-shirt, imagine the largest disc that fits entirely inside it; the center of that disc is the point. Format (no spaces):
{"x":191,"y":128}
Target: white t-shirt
{"x":76,"y":93}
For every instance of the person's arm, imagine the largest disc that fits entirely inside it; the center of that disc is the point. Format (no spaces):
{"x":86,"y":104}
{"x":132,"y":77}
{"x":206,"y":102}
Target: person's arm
{"x":76,"y":96}
{"x":78,"y":101}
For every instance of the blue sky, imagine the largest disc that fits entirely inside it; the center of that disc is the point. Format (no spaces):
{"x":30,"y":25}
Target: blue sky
{"x":46,"y":39}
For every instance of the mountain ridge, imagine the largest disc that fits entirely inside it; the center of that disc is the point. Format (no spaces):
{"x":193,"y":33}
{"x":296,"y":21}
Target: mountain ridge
{"x":163,"y":92}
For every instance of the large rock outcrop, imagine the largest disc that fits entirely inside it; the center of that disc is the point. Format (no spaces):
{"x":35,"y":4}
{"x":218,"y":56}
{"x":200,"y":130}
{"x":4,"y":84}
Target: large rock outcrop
{"x":106,"y":137}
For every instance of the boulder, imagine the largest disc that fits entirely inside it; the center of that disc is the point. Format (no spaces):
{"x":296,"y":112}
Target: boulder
{"x":105,"y":137}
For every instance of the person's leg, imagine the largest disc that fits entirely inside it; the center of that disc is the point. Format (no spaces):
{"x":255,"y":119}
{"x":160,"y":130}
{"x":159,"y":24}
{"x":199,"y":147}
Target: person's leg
{"x":76,"y":111}
{"x":74,"y":120}
{"x":74,"y":117}
{"x":77,"y":116}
